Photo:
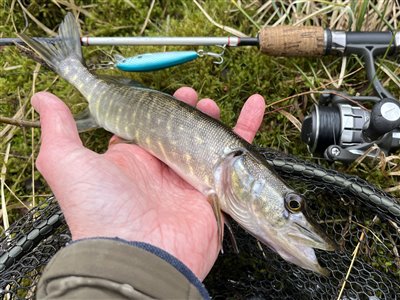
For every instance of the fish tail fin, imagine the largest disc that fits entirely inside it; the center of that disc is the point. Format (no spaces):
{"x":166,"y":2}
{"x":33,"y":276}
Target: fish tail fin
{"x":68,"y":45}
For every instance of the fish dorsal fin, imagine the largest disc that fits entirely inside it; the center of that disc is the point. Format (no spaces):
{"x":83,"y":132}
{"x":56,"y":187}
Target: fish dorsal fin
{"x":120,"y":80}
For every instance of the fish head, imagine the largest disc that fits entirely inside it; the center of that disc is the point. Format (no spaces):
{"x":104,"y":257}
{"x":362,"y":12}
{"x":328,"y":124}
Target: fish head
{"x":255,"y":197}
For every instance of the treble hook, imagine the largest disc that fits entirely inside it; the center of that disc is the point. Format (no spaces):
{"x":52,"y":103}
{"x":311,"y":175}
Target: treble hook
{"x":102,"y":66}
{"x":219,"y":56}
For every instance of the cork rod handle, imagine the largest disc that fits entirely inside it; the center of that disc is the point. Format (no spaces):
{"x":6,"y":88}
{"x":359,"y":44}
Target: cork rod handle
{"x":292,"y":41}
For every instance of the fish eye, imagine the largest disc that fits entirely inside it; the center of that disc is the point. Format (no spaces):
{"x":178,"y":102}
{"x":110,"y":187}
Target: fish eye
{"x":294,"y":202}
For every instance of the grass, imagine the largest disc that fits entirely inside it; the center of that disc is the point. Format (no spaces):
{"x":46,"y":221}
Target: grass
{"x":289,"y":85}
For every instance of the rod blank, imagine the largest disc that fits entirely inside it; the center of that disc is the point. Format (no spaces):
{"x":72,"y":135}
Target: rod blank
{"x":231,"y":41}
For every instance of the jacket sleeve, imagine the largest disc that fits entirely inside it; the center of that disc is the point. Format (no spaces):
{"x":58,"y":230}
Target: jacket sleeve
{"x":103,"y":268}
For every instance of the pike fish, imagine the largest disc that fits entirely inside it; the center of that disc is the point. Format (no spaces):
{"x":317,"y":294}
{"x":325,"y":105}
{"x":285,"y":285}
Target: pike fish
{"x":204,"y":152}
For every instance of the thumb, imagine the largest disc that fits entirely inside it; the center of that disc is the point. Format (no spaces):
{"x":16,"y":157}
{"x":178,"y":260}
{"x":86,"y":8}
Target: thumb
{"x":59,"y":132}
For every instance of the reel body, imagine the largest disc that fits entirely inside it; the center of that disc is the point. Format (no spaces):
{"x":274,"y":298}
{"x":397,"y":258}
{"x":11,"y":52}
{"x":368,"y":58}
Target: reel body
{"x":342,"y":129}
{"x":339,"y":126}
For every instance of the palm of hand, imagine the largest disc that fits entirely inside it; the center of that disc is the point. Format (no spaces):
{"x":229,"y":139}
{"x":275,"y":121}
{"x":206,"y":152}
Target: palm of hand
{"x":128,"y":193}
{"x":139,"y":198}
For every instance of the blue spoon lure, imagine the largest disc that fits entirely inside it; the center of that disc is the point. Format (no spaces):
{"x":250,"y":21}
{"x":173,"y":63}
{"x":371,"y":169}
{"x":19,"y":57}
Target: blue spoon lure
{"x":148,"y":62}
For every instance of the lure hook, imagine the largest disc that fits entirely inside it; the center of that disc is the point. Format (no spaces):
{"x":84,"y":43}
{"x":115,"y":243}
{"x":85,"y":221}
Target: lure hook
{"x":219,"y":59}
{"x":108,"y":65}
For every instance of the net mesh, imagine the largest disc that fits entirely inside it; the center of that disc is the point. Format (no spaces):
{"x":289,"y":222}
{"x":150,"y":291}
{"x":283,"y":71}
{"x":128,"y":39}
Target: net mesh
{"x":363,"y":220}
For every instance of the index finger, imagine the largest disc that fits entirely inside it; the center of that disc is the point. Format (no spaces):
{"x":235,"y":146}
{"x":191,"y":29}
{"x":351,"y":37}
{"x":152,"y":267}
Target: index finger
{"x":250,"y":118}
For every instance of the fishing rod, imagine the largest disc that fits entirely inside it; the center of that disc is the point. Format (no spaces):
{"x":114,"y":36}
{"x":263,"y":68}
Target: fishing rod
{"x":338,"y":127}
{"x":230,"y":41}
{"x":276,"y":41}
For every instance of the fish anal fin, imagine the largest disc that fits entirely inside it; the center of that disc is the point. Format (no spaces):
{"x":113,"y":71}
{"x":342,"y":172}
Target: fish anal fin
{"x":215,"y":204}
{"x":118,"y":140}
{"x":85,"y":121}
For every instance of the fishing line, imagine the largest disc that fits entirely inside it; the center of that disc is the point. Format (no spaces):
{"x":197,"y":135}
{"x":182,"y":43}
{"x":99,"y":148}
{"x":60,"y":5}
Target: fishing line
{"x":324,"y":130}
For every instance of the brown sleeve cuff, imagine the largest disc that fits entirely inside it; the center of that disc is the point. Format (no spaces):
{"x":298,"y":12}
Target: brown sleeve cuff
{"x":111,"y":268}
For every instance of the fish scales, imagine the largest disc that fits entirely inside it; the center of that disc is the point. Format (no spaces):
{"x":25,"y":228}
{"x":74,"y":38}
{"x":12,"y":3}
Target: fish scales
{"x":200,"y":149}
{"x":178,"y":132}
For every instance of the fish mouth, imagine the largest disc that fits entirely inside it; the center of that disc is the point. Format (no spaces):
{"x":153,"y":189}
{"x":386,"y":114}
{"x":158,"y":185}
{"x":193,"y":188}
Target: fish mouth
{"x":300,"y":239}
{"x":310,"y":235}
{"x":296,"y":242}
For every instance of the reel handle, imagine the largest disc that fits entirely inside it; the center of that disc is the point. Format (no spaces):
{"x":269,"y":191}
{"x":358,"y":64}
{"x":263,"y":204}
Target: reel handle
{"x":385,"y":116}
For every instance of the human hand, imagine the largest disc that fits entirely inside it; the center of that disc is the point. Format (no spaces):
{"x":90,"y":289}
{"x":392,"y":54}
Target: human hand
{"x":128,"y":193}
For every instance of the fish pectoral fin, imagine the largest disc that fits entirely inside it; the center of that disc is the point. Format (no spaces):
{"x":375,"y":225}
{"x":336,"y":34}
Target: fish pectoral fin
{"x":231,"y":234}
{"x":215,"y":204}
{"x":85,"y":122}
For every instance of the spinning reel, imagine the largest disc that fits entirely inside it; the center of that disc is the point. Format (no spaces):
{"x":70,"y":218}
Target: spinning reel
{"x":339,"y":126}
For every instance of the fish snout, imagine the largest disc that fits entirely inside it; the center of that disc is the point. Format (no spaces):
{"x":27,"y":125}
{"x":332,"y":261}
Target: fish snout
{"x":304,"y":230}
{"x":309,"y":234}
